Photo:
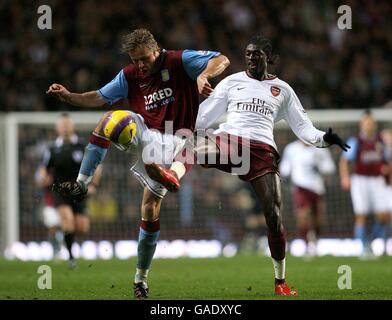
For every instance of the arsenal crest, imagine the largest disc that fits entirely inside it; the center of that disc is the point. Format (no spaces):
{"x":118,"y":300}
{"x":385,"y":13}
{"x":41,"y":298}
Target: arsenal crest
{"x":275,"y":91}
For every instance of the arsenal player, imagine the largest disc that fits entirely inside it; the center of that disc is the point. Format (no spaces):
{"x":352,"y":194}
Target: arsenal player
{"x":252,"y":100}
{"x":160,"y":85}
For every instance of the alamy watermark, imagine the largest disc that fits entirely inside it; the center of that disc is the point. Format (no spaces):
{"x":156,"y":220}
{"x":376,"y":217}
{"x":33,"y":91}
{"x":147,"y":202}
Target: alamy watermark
{"x":345,"y":20}
{"x":44,"y":282}
{"x":45,"y":19}
{"x":345,"y":280}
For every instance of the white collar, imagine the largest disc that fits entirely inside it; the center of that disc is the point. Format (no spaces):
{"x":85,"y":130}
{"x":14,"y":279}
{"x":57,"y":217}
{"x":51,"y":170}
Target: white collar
{"x":60,"y":141}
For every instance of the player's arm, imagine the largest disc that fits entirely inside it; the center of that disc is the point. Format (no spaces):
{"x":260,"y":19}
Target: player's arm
{"x":204,"y":65}
{"x":86,"y":99}
{"x":109,"y":94}
{"x":344,"y":164}
{"x":213,"y":107}
{"x":299,"y":122}
{"x":43,"y":179}
{"x":303,"y":128}
{"x":344,"y":171}
{"x":214,"y":68}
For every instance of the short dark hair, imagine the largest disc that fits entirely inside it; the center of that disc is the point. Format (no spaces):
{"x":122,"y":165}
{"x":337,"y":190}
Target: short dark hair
{"x":138,"y":38}
{"x":266,"y":45}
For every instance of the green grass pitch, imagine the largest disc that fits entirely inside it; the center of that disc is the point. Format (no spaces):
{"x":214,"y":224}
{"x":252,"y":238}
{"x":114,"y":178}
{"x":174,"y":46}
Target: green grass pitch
{"x":237,"y":278}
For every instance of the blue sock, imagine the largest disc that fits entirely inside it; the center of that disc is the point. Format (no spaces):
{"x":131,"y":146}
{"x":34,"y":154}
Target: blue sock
{"x":379,"y":230}
{"x":146,"y":248}
{"x":359,"y":233}
{"x":94,"y":154}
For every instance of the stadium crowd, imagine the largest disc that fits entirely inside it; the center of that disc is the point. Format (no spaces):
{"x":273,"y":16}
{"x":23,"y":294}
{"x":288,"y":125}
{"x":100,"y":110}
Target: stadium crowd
{"x":327,"y":67}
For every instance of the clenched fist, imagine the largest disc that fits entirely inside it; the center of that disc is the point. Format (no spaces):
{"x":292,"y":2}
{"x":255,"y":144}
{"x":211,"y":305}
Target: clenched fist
{"x":59,"y":91}
{"x":204,"y":86}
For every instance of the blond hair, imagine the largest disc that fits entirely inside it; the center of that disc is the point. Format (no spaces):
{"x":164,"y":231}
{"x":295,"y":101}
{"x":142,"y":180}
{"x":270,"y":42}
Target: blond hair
{"x":138,"y":38}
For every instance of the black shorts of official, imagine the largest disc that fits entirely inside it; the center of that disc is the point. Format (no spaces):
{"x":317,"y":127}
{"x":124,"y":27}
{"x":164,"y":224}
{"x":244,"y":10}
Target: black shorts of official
{"x":77,"y":207}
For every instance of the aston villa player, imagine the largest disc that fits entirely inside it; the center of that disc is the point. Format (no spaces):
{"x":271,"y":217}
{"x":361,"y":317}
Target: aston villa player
{"x":160,"y":85}
{"x":367,"y":182}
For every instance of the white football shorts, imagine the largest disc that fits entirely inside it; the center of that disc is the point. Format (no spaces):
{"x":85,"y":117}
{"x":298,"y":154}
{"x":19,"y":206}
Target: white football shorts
{"x":389,"y":197}
{"x":369,"y":194}
{"x":160,"y":149}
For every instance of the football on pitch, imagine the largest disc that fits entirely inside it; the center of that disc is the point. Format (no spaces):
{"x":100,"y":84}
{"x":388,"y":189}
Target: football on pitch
{"x":119,"y":127}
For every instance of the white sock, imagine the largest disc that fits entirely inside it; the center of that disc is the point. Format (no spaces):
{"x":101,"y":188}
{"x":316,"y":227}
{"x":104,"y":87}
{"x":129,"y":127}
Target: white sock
{"x":141,"y":276}
{"x":84,"y":180}
{"x":279,"y":268}
{"x":179,"y":168}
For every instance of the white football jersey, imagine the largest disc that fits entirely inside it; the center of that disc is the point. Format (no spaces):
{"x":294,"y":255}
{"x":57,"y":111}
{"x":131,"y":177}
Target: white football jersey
{"x":252,"y":108}
{"x":305,"y":165}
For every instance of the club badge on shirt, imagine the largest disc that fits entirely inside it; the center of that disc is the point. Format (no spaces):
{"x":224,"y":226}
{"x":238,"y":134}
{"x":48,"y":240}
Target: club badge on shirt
{"x":165,"y":75}
{"x":275,"y":91}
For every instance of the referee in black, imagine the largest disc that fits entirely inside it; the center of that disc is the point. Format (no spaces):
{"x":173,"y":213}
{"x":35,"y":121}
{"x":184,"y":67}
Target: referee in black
{"x":62,"y":162}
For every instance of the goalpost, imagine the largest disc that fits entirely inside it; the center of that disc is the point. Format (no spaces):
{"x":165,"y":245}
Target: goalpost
{"x":3,"y":185}
{"x":211,"y":205}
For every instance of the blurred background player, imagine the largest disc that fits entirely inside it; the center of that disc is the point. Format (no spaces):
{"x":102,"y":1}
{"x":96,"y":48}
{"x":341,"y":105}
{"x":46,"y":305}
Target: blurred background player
{"x":61,"y":163}
{"x":162,"y":86}
{"x":252,"y":101}
{"x":387,"y":138}
{"x":367,"y":182}
{"x":306,"y":167}
{"x":50,"y":215}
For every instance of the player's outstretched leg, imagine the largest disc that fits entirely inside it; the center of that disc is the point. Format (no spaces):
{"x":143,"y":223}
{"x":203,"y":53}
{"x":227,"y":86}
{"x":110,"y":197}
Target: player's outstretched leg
{"x":267,"y":188}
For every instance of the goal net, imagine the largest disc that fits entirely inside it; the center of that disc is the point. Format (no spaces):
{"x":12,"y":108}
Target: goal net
{"x":210,"y":206}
